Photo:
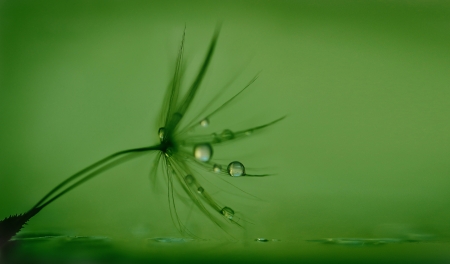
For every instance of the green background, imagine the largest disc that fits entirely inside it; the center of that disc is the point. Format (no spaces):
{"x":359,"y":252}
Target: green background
{"x":363,"y":152}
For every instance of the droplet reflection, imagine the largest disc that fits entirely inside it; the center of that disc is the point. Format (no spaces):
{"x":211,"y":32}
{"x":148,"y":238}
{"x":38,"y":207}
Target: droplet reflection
{"x":161,"y":133}
{"x":217,"y":168}
{"x":203,"y":152}
{"x":227,"y":212}
{"x":236,"y":169}
{"x":204,"y":122}
{"x":227,"y":134}
{"x":189,"y":179}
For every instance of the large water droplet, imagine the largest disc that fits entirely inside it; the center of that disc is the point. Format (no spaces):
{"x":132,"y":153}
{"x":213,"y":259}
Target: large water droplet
{"x":217,"y":168}
{"x":204,"y":122}
{"x":161,"y":133}
{"x":236,"y":169}
{"x":227,"y":134}
{"x":200,"y":190}
{"x":203,"y":152}
{"x":227,"y":212}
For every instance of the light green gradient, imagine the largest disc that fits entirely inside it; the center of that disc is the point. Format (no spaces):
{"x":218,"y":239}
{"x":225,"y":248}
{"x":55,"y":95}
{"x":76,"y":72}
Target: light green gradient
{"x":363,"y":152}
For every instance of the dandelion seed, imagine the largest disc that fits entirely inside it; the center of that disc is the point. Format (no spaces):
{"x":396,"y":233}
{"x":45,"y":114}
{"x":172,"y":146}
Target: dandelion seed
{"x":172,"y":154}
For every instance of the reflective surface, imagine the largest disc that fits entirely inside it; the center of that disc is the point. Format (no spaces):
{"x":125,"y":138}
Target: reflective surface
{"x":74,"y":249}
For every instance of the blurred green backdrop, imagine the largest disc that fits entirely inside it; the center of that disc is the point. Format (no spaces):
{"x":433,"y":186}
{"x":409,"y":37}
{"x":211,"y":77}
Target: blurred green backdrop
{"x":363,"y":152}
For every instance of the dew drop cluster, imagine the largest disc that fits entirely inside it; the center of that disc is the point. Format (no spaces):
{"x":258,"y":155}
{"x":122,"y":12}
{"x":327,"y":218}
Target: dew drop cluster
{"x":203,"y":152}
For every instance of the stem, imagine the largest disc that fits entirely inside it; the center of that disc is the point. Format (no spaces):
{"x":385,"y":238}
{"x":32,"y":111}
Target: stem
{"x":42,"y":203}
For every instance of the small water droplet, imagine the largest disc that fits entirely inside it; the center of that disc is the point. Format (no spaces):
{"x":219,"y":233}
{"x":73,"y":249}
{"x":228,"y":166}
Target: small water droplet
{"x":217,"y":168}
{"x":261,"y":239}
{"x":227,"y":212}
{"x":203,"y":152}
{"x":236,"y":169}
{"x":189,"y":179}
{"x":168,"y":152}
{"x":248,"y":132}
{"x":227,"y":134}
{"x":204,"y":122}
{"x":200,"y":190}
{"x":215,"y":138}
{"x":161,"y":132}
{"x":174,"y":240}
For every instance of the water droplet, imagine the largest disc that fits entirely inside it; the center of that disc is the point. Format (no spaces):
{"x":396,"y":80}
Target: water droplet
{"x":227,"y":212}
{"x":174,"y":240}
{"x":217,"y":168}
{"x":236,"y":169}
{"x":261,"y":239}
{"x":215,"y":138}
{"x":227,"y":134}
{"x":168,"y":152}
{"x":204,"y":122}
{"x":161,"y":133}
{"x":248,"y":132}
{"x":200,"y":190}
{"x":203,"y":152}
{"x":189,"y":179}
